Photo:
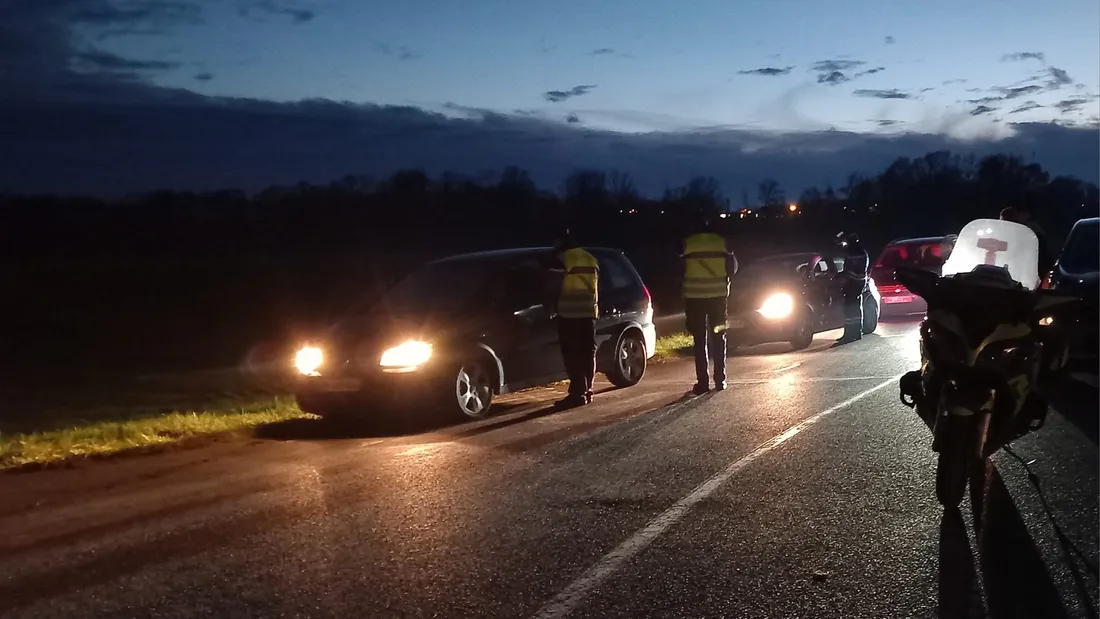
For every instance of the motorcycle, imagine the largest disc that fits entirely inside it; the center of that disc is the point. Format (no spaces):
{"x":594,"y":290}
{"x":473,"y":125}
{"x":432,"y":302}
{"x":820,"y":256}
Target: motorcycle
{"x":986,"y":343}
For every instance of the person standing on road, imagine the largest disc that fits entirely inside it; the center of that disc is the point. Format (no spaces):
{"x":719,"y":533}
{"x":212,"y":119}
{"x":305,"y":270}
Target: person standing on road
{"x":577,"y":309}
{"x":708,"y":265}
{"x":856,"y":263}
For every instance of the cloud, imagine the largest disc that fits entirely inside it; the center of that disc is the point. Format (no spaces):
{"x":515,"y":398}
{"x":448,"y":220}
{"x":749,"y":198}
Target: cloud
{"x":399,"y":52}
{"x":826,"y":66}
{"x":886,"y":122}
{"x":1057,"y":78}
{"x":572,"y":119}
{"x":299,"y":14}
{"x":217,"y":143}
{"x":769,"y":71}
{"x":1073,"y":104}
{"x":204,"y":77}
{"x":557,"y":96}
{"x":882,"y":94}
{"x":603,"y":51}
{"x":832,"y":72}
{"x":982,"y":110}
{"x":833,"y":78}
{"x":1025,"y":107}
{"x":954,"y":81}
{"x":105,"y":61}
{"x":890,"y":40}
{"x":1019,"y":56}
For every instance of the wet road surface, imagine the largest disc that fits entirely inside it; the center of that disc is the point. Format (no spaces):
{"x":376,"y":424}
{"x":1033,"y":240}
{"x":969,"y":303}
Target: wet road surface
{"x":805,"y":490}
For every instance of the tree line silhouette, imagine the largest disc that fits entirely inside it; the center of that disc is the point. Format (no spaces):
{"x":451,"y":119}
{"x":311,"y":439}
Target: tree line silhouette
{"x":175,"y":280}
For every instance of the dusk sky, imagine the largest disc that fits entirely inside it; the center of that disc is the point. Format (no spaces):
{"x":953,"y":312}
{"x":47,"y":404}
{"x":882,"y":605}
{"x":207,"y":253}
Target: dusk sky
{"x":117,"y":96}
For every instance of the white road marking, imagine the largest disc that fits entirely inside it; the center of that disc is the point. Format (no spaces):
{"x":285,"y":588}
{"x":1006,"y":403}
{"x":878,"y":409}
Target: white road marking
{"x":571,"y":597}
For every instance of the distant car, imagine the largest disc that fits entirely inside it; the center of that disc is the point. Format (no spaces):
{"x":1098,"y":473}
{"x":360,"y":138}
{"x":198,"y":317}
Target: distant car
{"x":461,"y":330}
{"x":791,"y":297}
{"x":927,"y":252}
{"x":1076,"y":272}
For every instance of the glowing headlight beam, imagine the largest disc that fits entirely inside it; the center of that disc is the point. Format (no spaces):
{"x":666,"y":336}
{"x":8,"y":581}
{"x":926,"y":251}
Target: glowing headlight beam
{"x":409,"y":354}
{"x":778,"y":305}
{"x":308,"y":360}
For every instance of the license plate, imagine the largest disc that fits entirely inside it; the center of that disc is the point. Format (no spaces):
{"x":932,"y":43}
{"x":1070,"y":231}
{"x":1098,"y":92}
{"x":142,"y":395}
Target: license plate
{"x":905,"y":298}
{"x":735,"y":323}
{"x":337,"y":384}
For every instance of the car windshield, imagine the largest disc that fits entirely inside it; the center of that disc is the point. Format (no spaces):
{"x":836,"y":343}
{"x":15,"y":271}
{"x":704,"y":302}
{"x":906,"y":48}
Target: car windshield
{"x":776,"y":265}
{"x":438,"y":285}
{"x":911,"y":254}
{"x":1082,"y":252}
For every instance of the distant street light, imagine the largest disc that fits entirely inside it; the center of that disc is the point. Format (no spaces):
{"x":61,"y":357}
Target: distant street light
{"x":792,"y":207}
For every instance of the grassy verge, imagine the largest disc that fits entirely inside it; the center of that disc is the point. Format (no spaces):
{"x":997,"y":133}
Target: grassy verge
{"x":44,"y":434}
{"x":671,"y":347}
{"x":144,"y":414}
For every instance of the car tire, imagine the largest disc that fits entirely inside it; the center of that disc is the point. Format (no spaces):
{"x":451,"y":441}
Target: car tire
{"x":804,"y":333}
{"x":870,"y":316}
{"x":628,"y":363}
{"x":470,"y":391}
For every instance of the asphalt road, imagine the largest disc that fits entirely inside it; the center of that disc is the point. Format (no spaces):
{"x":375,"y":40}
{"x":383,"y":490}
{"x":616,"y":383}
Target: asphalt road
{"x":805,"y":490}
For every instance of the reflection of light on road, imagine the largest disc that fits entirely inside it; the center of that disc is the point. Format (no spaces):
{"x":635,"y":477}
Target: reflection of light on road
{"x":783,"y":385}
{"x":427,"y":449}
{"x":909,"y":344}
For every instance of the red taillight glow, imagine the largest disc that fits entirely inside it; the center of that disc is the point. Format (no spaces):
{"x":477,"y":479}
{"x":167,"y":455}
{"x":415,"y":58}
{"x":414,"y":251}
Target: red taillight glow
{"x":1045,"y":285}
{"x":645,"y":289}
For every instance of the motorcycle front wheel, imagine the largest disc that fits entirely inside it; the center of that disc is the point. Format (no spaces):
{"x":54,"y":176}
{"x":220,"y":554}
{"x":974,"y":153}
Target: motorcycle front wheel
{"x":958,"y":457}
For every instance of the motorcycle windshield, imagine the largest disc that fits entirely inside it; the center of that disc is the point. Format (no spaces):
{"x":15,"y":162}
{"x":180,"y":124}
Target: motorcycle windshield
{"x":996,"y":242}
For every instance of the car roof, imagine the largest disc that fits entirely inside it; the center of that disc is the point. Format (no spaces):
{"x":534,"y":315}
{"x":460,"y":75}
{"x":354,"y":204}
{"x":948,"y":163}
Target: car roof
{"x":503,"y":255}
{"x":1088,"y":221}
{"x":919,"y":240}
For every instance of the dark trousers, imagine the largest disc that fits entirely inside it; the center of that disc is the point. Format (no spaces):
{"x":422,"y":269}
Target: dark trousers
{"x":853,"y":313}
{"x":706,"y":321}
{"x":577,"y":337}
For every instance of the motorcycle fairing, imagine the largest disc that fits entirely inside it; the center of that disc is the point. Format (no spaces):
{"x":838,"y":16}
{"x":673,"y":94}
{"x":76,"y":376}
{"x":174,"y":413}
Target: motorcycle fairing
{"x":999,"y":243}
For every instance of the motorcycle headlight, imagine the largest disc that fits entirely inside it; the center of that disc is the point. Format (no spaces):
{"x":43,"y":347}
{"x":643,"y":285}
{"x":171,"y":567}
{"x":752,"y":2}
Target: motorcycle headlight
{"x":776,"y":306}
{"x":308,"y":360}
{"x":406,"y":356}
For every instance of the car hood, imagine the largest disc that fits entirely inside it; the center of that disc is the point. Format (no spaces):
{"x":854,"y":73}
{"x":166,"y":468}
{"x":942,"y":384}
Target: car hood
{"x":1085,"y":285}
{"x":378,"y":329}
{"x":749,"y":295}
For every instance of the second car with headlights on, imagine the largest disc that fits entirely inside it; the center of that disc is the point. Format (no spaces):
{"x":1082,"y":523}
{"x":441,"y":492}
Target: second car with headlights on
{"x":791,"y":297}
{"x":459,"y":331}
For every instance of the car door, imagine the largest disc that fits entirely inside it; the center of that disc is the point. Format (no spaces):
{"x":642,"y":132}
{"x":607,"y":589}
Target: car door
{"x":532,"y":354}
{"x":818,"y":281}
{"x":618,"y":299}
{"x":835,"y":315}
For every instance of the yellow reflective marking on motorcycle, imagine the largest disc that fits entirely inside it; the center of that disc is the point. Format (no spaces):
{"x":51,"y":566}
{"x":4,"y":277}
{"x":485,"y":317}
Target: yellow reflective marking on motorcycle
{"x":1000,"y":334}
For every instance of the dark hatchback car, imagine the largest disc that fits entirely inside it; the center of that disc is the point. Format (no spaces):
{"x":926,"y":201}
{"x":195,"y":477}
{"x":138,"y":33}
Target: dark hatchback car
{"x":1076,"y":273}
{"x":791,"y":297}
{"x":928,"y":253}
{"x":461,"y":330}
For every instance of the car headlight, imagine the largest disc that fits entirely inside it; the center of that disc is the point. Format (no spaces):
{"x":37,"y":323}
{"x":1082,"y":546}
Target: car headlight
{"x":1046,"y":321}
{"x":411,"y":354}
{"x":308,"y":360}
{"x":778,"y":305}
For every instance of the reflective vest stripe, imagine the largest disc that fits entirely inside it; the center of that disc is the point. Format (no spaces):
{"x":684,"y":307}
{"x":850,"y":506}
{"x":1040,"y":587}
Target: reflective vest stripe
{"x":705,"y":275}
{"x":579,"y":296}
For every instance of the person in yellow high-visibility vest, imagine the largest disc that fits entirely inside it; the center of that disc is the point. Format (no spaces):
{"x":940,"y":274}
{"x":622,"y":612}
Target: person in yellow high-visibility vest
{"x":708,"y":265}
{"x":577,"y":309}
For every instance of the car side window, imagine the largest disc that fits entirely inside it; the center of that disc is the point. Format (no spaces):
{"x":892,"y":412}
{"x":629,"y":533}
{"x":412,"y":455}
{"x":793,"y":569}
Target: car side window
{"x":522,"y":286}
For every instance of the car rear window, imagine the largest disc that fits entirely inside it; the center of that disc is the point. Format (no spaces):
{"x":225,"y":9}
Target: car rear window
{"x":1082,"y":252}
{"x":911,"y":254}
{"x":614,"y":275}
